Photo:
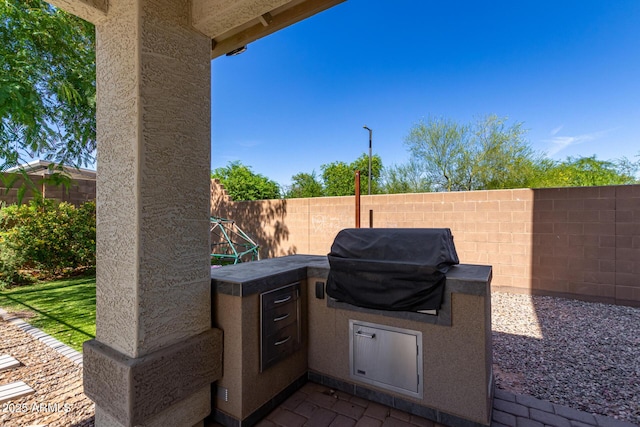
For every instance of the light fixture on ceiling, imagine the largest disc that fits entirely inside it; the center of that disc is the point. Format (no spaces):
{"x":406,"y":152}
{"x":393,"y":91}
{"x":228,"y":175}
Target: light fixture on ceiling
{"x":237,"y":51}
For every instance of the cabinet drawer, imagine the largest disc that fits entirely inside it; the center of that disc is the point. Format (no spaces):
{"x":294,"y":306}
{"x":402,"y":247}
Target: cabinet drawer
{"x":280,"y":330}
{"x":279,"y":297}
{"x":281,"y":344}
{"x":279,"y":317}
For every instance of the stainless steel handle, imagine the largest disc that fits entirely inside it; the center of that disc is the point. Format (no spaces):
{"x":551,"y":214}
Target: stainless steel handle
{"x":280,"y":301}
{"x":284,"y":316}
{"x":282,"y":341}
{"x":365,"y":335}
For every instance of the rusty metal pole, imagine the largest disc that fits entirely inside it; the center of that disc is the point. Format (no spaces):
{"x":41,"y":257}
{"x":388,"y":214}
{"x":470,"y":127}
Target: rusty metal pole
{"x":357,"y":199}
{"x":370,"y":137}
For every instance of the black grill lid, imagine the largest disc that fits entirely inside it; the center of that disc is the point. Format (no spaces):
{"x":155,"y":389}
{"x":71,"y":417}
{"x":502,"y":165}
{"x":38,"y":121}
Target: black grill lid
{"x":391,"y":268}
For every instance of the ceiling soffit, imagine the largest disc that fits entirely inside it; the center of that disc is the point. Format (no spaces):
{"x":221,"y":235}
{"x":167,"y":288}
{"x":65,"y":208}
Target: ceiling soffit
{"x":94,"y":11}
{"x":216,"y":17}
{"x":232,"y":24}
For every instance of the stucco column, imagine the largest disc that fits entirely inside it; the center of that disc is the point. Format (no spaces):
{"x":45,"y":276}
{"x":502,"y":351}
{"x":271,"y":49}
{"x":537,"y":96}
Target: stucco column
{"x":155,"y":354}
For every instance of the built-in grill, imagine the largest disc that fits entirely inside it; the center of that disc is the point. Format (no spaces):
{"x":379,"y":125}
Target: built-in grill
{"x":397,"y":269}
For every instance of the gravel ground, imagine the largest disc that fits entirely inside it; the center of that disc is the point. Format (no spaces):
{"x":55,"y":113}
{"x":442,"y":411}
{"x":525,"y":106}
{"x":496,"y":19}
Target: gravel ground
{"x":58,"y":400}
{"x":573,"y":353}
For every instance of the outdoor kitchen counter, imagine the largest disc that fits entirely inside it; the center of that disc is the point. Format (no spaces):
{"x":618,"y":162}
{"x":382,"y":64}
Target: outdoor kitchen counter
{"x":246,"y":393}
{"x":261,"y":276}
{"x":264,"y":275}
{"x":456,"y":379}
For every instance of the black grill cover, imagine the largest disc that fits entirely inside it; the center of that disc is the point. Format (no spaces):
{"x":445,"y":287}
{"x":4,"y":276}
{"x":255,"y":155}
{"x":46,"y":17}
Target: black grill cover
{"x":400,"y":269}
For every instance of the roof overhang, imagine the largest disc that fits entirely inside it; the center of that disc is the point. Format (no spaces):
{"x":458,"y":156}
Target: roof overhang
{"x":232,"y":24}
{"x":45,"y":168}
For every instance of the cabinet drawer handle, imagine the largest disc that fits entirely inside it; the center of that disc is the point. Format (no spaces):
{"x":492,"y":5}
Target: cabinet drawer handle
{"x":284,"y":316}
{"x":280,"y":301}
{"x":282,"y":341}
{"x":365,"y":335}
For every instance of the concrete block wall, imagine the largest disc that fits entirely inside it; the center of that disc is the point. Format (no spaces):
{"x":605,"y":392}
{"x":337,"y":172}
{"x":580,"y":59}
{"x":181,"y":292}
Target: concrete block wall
{"x":80,"y":191}
{"x":575,"y":242}
{"x":627,"y":256}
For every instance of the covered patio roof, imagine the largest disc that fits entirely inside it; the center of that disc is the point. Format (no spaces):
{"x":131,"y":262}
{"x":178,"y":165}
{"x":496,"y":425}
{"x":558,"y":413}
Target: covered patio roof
{"x":230,"y":24}
{"x":238,"y":23}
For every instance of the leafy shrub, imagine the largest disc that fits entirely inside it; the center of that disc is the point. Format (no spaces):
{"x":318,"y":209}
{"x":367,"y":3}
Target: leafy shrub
{"x":10,"y":263}
{"x":47,"y":238}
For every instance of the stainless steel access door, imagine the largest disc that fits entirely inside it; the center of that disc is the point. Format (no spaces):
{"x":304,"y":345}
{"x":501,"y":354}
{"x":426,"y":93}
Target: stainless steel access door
{"x":386,"y":357}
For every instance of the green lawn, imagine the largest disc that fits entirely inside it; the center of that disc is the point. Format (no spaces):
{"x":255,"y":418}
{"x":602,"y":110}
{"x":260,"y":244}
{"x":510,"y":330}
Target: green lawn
{"x":64,"y":309}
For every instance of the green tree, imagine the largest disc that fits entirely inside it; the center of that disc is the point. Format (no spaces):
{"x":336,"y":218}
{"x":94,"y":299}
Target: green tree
{"x":499,"y":156}
{"x":362,"y":164}
{"x":47,"y":85}
{"x":339,"y":179}
{"x":439,"y":145}
{"x":243,"y":184}
{"x":629,"y":167}
{"x":305,"y":185}
{"x":405,"y":178}
{"x":484,"y":155}
{"x":585,"y":172}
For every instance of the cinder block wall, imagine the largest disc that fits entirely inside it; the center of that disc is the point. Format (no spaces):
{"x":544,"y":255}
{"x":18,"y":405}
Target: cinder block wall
{"x":575,"y":242}
{"x":80,"y":191}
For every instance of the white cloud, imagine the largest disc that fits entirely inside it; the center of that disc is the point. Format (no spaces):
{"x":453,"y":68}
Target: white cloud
{"x":555,"y":131}
{"x":559,"y":143}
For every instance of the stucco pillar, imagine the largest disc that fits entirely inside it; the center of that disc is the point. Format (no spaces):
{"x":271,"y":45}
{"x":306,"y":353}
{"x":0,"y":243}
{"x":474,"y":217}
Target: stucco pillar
{"x":155,"y":354}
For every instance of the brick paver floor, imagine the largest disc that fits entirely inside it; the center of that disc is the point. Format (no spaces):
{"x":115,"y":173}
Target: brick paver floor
{"x":315,"y":405}
{"x":516,"y":410}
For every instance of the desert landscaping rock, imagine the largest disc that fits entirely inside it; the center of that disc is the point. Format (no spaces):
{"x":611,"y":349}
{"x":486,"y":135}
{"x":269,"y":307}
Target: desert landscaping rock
{"x":58,"y":400}
{"x":577,"y":354}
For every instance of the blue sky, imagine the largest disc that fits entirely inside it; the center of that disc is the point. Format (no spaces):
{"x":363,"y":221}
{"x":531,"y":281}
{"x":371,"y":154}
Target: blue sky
{"x":297,"y":99}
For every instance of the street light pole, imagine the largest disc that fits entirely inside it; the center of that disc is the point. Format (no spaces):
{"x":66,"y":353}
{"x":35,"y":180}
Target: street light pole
{"x":370,"y":133}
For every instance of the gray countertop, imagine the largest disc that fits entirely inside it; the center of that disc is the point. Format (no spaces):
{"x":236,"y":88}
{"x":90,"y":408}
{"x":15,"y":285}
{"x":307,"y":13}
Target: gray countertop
{"x":260,"y":276}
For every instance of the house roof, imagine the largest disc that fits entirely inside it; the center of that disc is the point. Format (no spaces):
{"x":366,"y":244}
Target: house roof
{"x":42,"y":168}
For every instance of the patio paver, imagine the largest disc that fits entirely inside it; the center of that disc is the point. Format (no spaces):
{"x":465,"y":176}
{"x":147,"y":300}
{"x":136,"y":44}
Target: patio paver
{"x":315,"y":405}
{"x":14,"y":390}
{"x":8,"y":362}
